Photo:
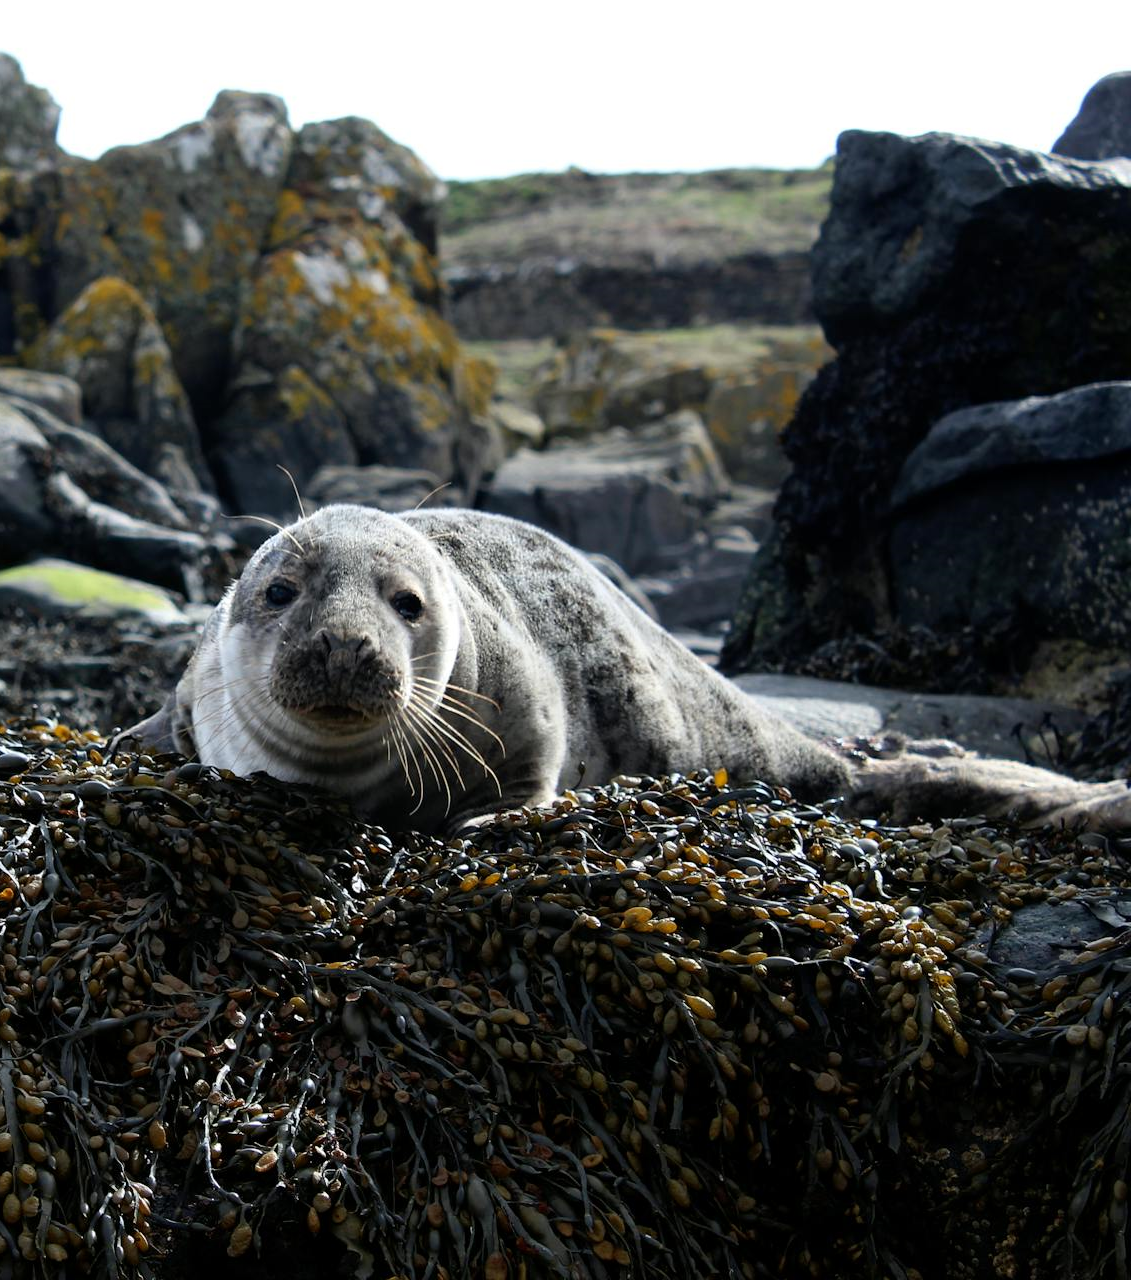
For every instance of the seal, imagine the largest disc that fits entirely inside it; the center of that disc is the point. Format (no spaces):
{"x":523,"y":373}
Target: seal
{"x":435,"y":667}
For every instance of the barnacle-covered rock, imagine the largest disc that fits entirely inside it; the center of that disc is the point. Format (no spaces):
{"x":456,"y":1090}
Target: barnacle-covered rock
{"x":669,"y":1026}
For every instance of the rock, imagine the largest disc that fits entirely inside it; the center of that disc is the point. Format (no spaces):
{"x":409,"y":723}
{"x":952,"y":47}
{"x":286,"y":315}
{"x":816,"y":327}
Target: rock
{"x":1079,"y":425}
{"x":557,"y":294}
{"x":109,"y":342}
{"x":58,"y":395}
{"x":29,"y":117}
{"x":1102,"y":127}
{"x":699,"y":592}
{"x":949,"y":273}
{"x":639,"y":497}
{"x":65,"y":492}
{"x":1022,"y":507}
{"x":390,"y":488}
{"x":346,"y":297}
{"x":518,"y":427}
{"x":1008,"y":728}
{"x":183,"y":219}
{"x":273,"y":421}
{"x":50,"y":588}
{"x":594,"y":383}
{"x":235,"y":296}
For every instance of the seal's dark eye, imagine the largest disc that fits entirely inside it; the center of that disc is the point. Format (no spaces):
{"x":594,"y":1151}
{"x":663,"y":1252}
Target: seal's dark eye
{"x":408,"y":605}
{"x":279,"y":594}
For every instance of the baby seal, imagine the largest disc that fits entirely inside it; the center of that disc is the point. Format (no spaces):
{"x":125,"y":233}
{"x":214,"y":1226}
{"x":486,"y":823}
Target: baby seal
{"x":437,"y":666}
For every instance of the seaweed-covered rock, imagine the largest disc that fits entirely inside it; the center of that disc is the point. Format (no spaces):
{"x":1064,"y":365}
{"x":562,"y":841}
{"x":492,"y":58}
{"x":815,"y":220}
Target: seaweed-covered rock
{"x":949,"y":273}
{"x":1102,"y":127}
{"x":110,"y":343}
{"x":668,"y":1027}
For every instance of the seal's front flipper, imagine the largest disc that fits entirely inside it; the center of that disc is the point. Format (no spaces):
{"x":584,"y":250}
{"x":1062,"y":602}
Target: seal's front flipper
{"x":164,"y":730}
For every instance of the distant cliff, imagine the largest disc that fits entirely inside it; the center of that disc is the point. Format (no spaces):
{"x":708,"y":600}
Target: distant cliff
{"x":542,"y":254}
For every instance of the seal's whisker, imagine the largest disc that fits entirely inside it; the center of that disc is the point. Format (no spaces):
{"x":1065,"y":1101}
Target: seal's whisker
{"x":279,"y":528}
{"x":404,"y":754}
{"x":435,"y":766}
{"x":298,"y":496}
{"x":446,"y":485}
{"x":471,"y":693}
{"x":423,"y":726}
{"x":464,"y":712}
{"x":461,"y":742}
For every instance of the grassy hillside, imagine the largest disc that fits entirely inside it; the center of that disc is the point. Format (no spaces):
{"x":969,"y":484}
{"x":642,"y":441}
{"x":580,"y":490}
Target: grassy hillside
{"x":622,"y":217}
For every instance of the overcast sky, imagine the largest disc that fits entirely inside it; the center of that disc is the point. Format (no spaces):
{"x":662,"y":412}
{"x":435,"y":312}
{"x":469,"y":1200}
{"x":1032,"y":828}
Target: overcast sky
{"x":483,"y":88}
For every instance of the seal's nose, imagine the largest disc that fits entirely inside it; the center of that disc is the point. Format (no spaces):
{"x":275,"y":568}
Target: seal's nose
{"x":343,"y":652}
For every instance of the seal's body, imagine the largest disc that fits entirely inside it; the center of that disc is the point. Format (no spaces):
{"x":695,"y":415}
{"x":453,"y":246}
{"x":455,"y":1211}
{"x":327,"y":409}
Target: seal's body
{"x":437,"y":666}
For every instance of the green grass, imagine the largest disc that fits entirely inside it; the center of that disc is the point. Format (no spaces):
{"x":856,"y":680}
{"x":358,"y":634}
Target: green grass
{"x":665,"y":215}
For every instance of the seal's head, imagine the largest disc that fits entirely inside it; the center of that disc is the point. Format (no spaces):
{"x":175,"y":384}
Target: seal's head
{"x":338,"y":639}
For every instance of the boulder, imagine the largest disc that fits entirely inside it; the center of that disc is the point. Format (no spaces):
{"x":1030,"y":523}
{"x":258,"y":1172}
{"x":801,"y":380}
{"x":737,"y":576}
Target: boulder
{"x":110,"y":343}
{"x":1022,"y":506}
{"x":949,"y":273}
{"x":65,"y":492}
{"x":48,"y":588}
{"x":346,"y":297}
{"x":1102,"y":127}
{"x":183,"y":219}
{"x":236,"y":296}
{"x":389,"y":488}
{"x":29,"y":117}
{"x":51,"y":391}
{"x":638,"y":498}
{"x":595,"y":382}
{"x":1006,"y":728}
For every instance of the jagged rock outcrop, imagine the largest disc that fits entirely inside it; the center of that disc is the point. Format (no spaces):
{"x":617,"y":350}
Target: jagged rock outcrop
{"x":950,"y":272}
{"x":243,"y":293}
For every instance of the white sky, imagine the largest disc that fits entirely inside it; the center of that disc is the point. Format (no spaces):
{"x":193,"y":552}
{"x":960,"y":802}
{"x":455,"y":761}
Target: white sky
{"x":484,"y":88}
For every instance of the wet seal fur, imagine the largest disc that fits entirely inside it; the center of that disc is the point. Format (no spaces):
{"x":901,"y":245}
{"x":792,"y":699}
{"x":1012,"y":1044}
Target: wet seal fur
{"x":438,"y":666}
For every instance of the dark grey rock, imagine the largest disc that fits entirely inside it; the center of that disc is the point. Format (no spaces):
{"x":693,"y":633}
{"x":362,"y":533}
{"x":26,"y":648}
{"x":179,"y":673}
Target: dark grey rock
{"x":1008,"y":728}
{"x":1102,"y":127}
{"x":1049,"y":544}
{"x":1084,"y":423}
{"x":638,"y":497}
{"x":950,"y":273}
{"x":905,"y":209}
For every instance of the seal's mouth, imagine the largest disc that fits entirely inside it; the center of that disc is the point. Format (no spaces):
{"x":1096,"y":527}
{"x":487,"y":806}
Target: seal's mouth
{"x":338,"y":715}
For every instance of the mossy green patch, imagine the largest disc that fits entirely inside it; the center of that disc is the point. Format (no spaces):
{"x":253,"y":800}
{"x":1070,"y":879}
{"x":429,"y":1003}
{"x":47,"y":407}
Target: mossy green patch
{"x":76,"y":586}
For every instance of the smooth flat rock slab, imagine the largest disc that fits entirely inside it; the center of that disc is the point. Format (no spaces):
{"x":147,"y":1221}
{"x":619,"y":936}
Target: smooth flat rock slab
{"x":1002,"y":727}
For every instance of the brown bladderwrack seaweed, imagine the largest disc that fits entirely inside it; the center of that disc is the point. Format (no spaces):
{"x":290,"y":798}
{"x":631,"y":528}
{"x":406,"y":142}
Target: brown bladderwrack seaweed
{"x":668,"y":1028}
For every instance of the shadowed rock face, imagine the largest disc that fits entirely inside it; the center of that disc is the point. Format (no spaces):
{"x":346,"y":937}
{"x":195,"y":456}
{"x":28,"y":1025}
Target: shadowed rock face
{"x":951,"y":272}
